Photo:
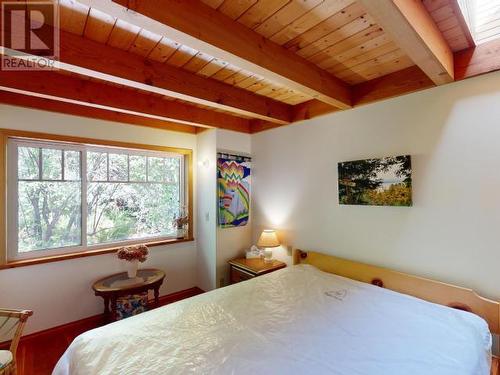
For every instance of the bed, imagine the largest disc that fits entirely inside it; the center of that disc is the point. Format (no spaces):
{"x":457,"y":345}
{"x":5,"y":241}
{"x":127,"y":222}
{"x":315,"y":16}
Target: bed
{"x":305,"y":319}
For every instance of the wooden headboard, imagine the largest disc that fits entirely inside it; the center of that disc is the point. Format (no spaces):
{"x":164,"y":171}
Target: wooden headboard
{"x":429,"y":290}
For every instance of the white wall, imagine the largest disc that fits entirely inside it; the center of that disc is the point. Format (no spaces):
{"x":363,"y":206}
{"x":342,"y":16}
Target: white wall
{"x":207,"y":209}
{"x":60,"y":292}
{"x":228,"y":141}
{"x":452,"y":231}
{"x":232,"y":242}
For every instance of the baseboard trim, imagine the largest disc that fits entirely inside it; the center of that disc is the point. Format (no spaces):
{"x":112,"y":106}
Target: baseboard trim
{"x":95,"y":321}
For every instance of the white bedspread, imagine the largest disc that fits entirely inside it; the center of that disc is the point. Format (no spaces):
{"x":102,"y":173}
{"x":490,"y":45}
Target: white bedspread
{"x":298,"y":320}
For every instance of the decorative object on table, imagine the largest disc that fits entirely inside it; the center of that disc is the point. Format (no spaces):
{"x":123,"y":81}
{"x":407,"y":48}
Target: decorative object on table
{"x":133,"y":255}
{"x":180,"y":223}
{"x":111,"y":288}
{"x":244,"y":269}
{"x":131,"y":305}
{"x":376,"y":182}
{"x":267,"y":240}
{"x":12,"y":323}
{"x":233,"y":178}
{"x":253,"y":253}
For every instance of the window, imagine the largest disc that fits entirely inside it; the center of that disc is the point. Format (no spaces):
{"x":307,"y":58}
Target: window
{"x":482,"y":18}
{"x":69,"y":197}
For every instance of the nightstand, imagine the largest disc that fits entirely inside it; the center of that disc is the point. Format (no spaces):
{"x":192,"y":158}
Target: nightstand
{"x":243,"y":269}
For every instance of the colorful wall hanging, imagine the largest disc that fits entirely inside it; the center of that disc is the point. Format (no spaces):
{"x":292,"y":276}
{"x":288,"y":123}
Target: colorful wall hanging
{"x":233,"y":179}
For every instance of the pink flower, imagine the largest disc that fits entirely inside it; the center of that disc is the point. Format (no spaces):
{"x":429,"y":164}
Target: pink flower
{"x":130,"y":253}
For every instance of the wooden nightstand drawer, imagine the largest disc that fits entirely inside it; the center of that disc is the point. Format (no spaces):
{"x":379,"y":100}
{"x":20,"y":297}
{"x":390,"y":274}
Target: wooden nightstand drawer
{"x":238,"y":275}
{"x":244,"y":269}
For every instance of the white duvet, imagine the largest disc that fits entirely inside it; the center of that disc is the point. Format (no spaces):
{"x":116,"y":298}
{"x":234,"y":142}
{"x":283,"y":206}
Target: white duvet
{"x":298,"y":320}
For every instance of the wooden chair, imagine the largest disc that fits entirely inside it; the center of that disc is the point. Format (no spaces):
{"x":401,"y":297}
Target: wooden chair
{"x":12,"y":323}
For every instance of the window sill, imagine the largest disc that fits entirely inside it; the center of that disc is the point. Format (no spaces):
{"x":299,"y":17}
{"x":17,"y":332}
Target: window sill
{"x":82,"y":254}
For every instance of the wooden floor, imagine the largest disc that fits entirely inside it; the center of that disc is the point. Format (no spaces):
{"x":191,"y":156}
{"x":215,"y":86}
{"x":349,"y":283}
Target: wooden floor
{"x":38,"y":353}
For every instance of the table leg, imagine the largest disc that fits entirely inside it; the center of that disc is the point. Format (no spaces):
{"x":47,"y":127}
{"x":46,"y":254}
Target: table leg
{"x":113,"y":309}
{"x":107,"y":317}
{"x":157,"y":296}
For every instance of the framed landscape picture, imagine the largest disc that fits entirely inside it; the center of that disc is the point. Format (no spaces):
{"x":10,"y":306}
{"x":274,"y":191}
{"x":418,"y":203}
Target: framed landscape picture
{"x":376,"y":182}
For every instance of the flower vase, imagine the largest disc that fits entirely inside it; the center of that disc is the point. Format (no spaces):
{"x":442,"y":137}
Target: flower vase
{"x":132,"y":268}
{"x":181,"y":233}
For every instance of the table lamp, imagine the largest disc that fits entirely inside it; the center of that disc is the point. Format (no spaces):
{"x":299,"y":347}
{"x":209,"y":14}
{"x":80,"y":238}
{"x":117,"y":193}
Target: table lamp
{"x":267,"y":240}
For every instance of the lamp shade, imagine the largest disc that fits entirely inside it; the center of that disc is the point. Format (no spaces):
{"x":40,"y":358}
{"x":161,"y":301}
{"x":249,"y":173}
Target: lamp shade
{"x":268,"y":238}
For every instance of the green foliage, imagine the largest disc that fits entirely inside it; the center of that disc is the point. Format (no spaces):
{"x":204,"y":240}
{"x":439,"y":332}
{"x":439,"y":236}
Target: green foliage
{"x":130,"y":210}
{"x":49,"y":208}
{"x":395,"y":195}
{"x":357,"y":177}
{"x":49,"y":215}
{"x":361,"y":182}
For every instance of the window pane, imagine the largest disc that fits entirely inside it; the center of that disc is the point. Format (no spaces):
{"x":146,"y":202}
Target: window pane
{"x":173,"y":170}
{"x":71,"y":165}
{"x":48,"y":215}
{"x":137,"y":168}
{"x":129,"y":196}
{"x":97,"y":166}
{"x":126,"y":211}
{"x":28,"y":160}
{"x":118,"y":168}
{"x":156,"y":169}
{"x":51,"y":164}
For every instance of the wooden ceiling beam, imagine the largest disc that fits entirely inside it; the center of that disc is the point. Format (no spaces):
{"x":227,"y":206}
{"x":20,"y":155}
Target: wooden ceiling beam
{"x":91,"y":93}
{"x":257,"y":126}
{"x":26,"y":101}
{"x":471,"y":62}
{"x":303,"y":111}
{"x":86,"y":57}
{"x":198,"y":26}
{"x":402,"y":82}
{"x":474,"y":61}
{"x":481,"y":59}
{"x":311,"y":109}
{"x":412,"y":28}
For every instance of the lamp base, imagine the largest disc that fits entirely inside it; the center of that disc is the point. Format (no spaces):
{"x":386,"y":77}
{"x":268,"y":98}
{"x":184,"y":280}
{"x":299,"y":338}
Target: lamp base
{"x":268,"y":255}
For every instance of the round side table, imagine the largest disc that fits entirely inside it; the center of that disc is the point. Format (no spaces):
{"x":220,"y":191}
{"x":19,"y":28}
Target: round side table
{"x":112,"y":287}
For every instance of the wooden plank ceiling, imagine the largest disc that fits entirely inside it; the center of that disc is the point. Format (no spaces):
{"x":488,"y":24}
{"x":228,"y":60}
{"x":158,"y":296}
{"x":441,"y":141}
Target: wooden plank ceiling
{"x":245,"y":65}
{"x":338,"y":36}
{"x":450,"y":21}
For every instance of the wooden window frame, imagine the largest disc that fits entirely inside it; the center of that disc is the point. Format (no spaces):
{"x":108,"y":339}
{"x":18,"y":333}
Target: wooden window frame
{"x":5,"y":134}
